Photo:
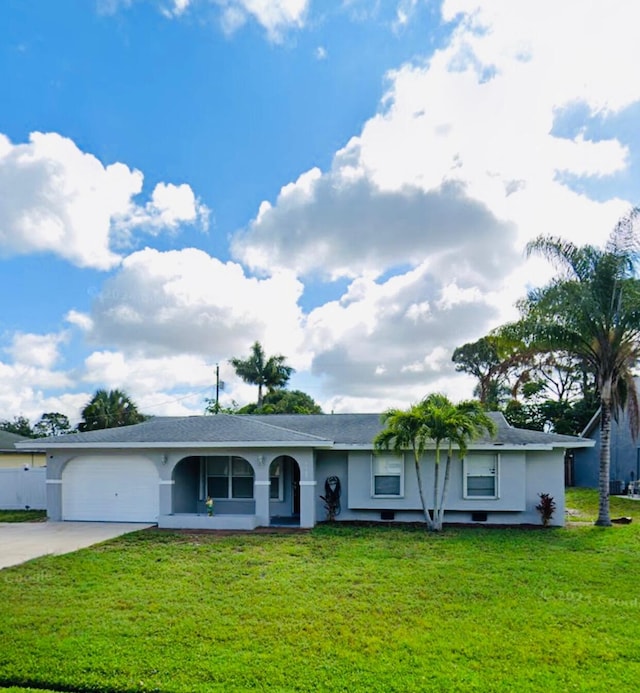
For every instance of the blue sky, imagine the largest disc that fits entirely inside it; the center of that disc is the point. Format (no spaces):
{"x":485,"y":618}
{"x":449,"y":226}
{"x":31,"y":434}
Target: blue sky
{"x":350,"y":182}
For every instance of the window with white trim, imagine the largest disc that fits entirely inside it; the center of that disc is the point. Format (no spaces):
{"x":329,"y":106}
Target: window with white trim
{"x":387,"y":476}
{"x":229,"y":477}
{"x":481,"y":475}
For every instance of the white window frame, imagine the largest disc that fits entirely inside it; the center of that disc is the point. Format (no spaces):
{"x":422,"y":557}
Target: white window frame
{"x":397,"y":459}
{"x":280,"y":497}
{"x":230,"y":477}
{"x":466,"y":463}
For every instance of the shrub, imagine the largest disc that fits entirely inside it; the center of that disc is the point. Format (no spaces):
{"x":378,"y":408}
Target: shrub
{"x":546,"y":507}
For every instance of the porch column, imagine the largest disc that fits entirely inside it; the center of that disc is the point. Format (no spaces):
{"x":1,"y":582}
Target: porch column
{"x":165,"y":464}
{"x":261,"y":494}
{"x":308,"y":503}
{"x":55,"y":465}
{"x":308,"y":482}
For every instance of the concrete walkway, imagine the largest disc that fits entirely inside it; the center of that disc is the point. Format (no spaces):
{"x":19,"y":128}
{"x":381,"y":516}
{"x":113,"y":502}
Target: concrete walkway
{"x":22,"y":541}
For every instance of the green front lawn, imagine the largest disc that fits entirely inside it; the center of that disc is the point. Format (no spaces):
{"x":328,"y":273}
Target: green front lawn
{"x":337,"y":609}
{"x":23,"y":515}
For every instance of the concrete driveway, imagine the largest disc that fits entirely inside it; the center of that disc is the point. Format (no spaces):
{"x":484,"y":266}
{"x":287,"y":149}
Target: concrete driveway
{"x":22,"y":541}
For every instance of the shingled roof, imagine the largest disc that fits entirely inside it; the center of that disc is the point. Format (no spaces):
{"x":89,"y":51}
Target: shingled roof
{"x":7,"y":441}
{"x":290,"y":430}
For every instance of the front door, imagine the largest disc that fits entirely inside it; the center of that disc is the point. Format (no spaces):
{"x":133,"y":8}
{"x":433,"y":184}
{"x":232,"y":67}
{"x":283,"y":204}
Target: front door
{"x":295,"y":487}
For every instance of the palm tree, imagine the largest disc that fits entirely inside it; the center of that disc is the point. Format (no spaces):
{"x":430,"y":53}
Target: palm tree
{"x":434,"y":420}
{"x":109,"y":410}
{"x":461,"y":424}
{"x":407,"y":430}
{"x":259,"y":370}
{"x":592,"y":311}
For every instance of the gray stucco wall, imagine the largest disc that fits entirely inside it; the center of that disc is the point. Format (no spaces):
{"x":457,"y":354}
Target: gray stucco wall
{"x":521,"y":477}
{"x":545,"y":474}
{"x":329,"y":463}
{"x":511,"y":485}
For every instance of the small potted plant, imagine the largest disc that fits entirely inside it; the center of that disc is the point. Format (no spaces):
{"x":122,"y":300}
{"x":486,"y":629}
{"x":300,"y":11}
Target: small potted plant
{"x":209,"y":504}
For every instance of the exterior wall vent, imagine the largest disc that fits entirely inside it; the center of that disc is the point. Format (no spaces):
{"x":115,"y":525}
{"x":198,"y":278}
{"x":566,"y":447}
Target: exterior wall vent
{"x":387,"y":515}
{"x":478,"y":517}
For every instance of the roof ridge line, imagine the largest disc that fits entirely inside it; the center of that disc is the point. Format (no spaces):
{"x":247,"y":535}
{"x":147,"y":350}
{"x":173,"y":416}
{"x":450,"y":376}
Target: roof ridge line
{"x":279,"y":428}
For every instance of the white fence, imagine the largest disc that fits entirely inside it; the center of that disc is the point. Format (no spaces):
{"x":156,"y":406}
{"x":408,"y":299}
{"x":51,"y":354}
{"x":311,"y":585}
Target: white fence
{"x":23,"y":488}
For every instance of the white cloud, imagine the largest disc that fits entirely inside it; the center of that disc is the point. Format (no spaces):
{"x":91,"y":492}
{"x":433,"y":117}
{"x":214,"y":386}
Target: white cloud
{"x":170,"y":207}
{"x":185,"y":301}
{"x":468,"y":133}
{"x":275,"y":16}
{"x":347,"y":228}
{"x":39,"y":351}
{"x":81,"y":320}
{"x":59,"y":199}
{"x":174,"y":385}
{"x":176,"y":8}
{"x":392,"y":339}
{"x":404,"y":12}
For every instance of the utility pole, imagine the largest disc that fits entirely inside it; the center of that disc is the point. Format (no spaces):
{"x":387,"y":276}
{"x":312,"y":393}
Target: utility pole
{"x":217,"y":388}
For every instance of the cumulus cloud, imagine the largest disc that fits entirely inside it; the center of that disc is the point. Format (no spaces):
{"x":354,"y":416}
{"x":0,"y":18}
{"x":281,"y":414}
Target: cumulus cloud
{"x":37,"y":350}
{"x":351,"y":227}
{"x":464,"y":144}
{"x":170,"y":206}
{"x":31,"y":374}
{"x":185,"y":301}
{"x":59,"y":199}
{"x":389,"y":339}
{"x":168,"y":385}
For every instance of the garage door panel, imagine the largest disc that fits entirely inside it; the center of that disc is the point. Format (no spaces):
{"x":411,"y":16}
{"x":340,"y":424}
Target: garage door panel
{"x":110,"y":488}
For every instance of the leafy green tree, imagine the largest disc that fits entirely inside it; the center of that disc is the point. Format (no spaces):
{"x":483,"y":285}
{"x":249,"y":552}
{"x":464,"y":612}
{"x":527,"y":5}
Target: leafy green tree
{"x":270,"y":373}
{"x":435,"y":420}
{"x":284,"y":402}
{"x":109,"y":410}
{"x":52,"y":424}
{"x":482,"y":360}
{"x":592,"y":311}
{"x":20,"y":426}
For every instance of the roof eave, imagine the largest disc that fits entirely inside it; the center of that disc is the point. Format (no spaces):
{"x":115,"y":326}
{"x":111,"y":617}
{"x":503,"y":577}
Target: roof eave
{"x":182,"y":445}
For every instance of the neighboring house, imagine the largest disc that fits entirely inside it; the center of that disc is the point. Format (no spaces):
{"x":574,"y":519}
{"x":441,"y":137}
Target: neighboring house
{"x":625,"y":456}
{"x":263,"y":470}
{"x":22,"y":474}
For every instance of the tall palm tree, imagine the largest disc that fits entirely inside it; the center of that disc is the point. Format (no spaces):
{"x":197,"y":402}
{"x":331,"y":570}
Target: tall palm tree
{"x":433,"y":421}
{"x":592,"y":311}
{"x":259,"y":370}
{"x":109,"y":410}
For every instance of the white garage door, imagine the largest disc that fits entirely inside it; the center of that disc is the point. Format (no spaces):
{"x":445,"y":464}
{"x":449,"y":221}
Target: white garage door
{"x":110,"y":488}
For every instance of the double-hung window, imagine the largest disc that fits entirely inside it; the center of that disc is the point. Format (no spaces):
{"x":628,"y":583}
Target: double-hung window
{"x":229,"y":477}
{"x":481,"y":475}
{"x":387,"y":476}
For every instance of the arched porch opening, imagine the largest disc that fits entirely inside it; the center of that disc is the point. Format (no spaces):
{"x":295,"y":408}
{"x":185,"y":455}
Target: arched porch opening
{"x":227,"y":479}
{"x":284,"y":491}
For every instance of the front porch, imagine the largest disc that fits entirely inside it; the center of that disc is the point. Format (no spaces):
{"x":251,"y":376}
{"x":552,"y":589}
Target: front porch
{"x":246,"y":491}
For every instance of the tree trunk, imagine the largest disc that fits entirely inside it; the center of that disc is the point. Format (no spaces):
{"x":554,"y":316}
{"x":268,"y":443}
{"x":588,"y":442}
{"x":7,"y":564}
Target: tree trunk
{"x":436,"y":488}
{"x":445,"y":490}
{"x":427,"y":517}
{"x":259,"y":394}
{"x":604,"y":519}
